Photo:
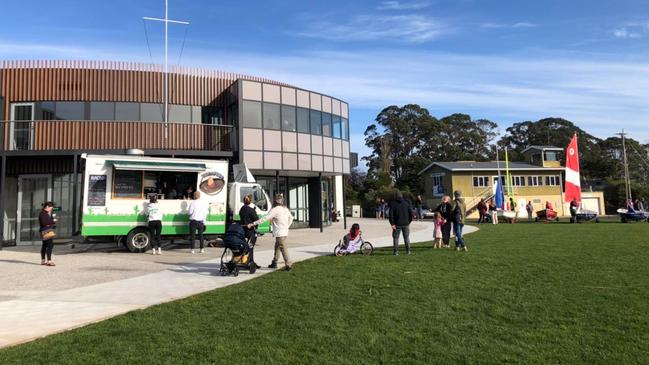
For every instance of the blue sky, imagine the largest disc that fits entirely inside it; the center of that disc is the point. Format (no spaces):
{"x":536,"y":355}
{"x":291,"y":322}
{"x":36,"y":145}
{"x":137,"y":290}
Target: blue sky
{"x":507,"y":61}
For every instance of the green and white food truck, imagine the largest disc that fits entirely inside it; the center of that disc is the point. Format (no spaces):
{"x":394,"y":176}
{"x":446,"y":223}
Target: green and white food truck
{"x":117,"y":189}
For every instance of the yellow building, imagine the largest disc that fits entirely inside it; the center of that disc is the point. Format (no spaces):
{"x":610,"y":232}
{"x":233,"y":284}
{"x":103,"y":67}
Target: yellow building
{"x":538,"y":180}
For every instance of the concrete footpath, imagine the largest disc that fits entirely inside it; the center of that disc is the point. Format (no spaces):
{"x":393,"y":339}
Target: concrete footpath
{"x":78,"y":292}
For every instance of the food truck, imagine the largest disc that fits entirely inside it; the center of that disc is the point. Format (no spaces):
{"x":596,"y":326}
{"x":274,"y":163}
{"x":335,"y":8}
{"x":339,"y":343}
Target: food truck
{"x":117,"y":189}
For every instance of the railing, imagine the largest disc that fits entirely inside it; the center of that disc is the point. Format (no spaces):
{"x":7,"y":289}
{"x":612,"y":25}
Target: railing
{"x":85,"y":135}
{"x":485,"y":194}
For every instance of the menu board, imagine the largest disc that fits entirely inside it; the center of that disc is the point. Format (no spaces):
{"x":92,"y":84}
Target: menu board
{"x":128,"y":184}
{"x":97,"y":190}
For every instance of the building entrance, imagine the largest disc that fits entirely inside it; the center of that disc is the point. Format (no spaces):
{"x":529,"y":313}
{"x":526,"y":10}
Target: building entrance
{"x":33,"y":191}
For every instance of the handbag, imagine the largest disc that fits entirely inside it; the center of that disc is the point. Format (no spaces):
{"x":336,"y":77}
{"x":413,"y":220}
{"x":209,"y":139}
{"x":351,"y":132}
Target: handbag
{"x":48,"y":234}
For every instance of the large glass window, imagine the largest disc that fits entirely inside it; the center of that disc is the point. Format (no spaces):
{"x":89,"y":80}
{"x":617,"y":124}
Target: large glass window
{"x":345,"y":128}
{"x":102,"y":111}
{"x":151,"y":112}
{"x":316,"y":122}
{"x":336,"y":126}
{"x":180,"y":114}
{"x":212,"y":115}
{"x":251,"y":114}
{"x":70,"y":110}
{"x":303,"y":120}
{"x":326,"y":124}
{"x":127,"y":111}
{"x":288,"y":118}
{"x":47,"y":110}
{"x":271,"y":116}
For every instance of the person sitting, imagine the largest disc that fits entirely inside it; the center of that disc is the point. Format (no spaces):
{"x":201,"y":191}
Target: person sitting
{"x":548,"y":205}
{"x":352,"y":240}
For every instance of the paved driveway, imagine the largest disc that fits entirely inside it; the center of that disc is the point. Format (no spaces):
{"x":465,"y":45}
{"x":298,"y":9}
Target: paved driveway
{"x":90,"y":284}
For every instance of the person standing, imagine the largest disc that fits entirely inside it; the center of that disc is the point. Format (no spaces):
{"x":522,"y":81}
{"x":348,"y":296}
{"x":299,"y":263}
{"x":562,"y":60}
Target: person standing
{"x":445,"y":210}
{"x":378,"y":209}
{"x":400,"y":218}
{"x":459,"y":215}
{"x":47,"y":222}
{"x":530,"y":210}
{"x":482,"y":211}
{"x":419,"y":205}
{"x":493,"y":210}
{"x":574,"y":206}
{"x":197,"y":216}
{"x":281,"y":221}
{"x":155,"y":224}
{"x":247,"y":215}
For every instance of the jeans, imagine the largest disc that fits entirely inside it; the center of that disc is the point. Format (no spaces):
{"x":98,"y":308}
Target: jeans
{"x":446,"y":233}
{"x":155,"y":227}
{"x":420,"y":213}
{"x":459,"y":240}
{"x":406,"y":237}
{"x":46,"y":248}
{"x":193,"y":226}
{"x":280,"y":247}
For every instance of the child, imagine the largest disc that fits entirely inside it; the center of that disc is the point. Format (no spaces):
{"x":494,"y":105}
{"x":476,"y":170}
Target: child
{"x":439,"y":222}
{"x":352,"y":240}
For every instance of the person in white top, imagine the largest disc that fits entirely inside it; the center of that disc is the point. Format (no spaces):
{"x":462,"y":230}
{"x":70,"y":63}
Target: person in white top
{"x":281,"y":221}
{"x":197,"y":216}
{"x":155,"y":224}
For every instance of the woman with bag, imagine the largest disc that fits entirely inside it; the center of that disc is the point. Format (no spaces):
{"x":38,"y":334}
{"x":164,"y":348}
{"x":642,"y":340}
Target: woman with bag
{"x":47,"y":222}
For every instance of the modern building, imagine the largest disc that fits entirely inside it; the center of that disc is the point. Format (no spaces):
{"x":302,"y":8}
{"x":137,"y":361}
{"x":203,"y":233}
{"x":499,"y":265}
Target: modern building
{"x":294,"y":141}
{"x":539,"y":179}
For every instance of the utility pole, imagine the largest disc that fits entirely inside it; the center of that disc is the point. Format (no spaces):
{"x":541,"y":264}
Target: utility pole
{"x":166,"y":20}
{"x":627,"y":180}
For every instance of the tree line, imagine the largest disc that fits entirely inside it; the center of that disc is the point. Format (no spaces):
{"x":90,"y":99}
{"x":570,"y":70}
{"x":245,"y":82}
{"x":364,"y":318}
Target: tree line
{"x":405,"y":139}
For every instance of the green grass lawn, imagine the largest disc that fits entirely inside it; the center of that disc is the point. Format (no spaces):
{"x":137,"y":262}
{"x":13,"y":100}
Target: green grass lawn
{"x":525,"y":293}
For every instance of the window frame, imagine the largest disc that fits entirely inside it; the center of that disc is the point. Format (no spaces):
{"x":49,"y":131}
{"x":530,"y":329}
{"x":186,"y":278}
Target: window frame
{"x":481,"y":181}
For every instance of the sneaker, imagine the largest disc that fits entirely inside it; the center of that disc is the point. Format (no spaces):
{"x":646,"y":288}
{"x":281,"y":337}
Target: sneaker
{"x":159,"y":251}
{"x":458,"y":248}
{"x":396,"y":253}
{"x":154,"y":251}
{"x":202,"y":250}
{"x":192,"y":252}
{"x":465,"y":249}
{"x":409,"y":252}
{"x":288,"y":268}
{"x":273,"y":265}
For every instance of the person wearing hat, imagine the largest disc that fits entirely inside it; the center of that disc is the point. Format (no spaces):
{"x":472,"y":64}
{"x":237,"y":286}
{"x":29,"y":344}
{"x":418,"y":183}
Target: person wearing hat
{"x":281,"y":221}
{"x":458,"y":215}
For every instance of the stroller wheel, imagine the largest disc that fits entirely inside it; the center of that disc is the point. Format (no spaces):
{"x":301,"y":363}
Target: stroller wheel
{"x":224,"y":270}
{"x":235,"y":272}
{"x":252,"y":267}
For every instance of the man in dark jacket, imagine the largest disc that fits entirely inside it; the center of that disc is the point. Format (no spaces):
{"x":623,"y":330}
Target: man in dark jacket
{"x":459,"y":215}
{"x":400,"y":218}
{"x":445,"y":209}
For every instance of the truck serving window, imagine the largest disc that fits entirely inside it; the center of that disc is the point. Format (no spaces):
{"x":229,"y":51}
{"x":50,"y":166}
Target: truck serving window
{"x":162,"y":184}
{"x":127,"y":184}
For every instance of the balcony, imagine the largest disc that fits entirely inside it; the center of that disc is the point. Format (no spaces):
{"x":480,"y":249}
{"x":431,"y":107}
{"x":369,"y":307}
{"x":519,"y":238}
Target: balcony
{"x":88,"y":136}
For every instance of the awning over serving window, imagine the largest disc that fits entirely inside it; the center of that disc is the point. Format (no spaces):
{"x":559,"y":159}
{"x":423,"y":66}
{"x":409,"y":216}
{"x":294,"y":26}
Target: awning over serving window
{"x":157,"y":166}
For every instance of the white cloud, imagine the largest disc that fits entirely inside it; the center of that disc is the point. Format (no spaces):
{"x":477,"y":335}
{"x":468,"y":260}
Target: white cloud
{"x":399,"y":5}
{"x":625,"y":33}
{"x":508,"y":25}
{"x":403,"y":28}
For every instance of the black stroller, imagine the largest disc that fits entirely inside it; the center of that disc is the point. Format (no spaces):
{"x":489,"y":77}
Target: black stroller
{"x":238,"y":252}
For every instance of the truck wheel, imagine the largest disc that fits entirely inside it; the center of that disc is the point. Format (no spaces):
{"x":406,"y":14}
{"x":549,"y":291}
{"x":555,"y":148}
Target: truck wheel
{"x":138,"y":240}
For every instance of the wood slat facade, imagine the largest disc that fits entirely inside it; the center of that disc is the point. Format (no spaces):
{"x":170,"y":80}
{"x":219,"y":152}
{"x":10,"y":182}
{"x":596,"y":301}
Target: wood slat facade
{"x":32,"y":81}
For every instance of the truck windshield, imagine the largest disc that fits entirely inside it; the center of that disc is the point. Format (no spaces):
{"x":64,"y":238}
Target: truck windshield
{"x":257,"y":194}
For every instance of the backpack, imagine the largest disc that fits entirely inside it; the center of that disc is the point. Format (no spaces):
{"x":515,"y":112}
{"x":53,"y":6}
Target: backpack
{"x":235,"y":238}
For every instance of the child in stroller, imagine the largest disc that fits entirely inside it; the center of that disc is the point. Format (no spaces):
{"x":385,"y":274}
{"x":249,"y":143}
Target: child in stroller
{"x":238,"y":252}
{"x":352,"y":242}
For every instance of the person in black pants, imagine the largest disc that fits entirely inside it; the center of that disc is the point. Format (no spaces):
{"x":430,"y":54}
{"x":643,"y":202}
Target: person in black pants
{"x":46,"y":222}
{"x":445,"y":209}
{"x":400,"y":218}
{"x":248,"y":215}
{"x":155,"y":224}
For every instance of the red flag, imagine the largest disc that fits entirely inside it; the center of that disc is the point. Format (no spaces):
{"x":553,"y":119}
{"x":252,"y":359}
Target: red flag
{"x":573,"y":184}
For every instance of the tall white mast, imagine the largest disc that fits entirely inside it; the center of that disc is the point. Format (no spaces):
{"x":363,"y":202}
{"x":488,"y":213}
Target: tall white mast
{"x":166,"y":20}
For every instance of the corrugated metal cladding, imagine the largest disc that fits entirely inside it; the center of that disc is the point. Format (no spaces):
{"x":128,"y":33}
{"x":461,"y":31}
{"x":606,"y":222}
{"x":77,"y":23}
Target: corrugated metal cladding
{"x":39,"y":165}
{"x":113,"y":81}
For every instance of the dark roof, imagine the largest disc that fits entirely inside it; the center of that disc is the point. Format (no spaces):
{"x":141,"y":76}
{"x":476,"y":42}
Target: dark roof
{"x":489,"y":165}
{"x":541,"y":148}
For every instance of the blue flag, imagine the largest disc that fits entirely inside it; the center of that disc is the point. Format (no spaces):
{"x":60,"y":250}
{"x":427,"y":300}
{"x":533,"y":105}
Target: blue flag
{"x":499,"y":193}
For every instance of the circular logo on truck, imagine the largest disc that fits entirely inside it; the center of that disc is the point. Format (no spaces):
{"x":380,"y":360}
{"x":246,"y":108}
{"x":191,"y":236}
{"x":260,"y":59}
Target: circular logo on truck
{"x":212,"y":183}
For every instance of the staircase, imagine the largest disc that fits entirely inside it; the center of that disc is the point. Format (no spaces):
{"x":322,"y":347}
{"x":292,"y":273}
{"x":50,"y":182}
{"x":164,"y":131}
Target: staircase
{"x":472,"y":205}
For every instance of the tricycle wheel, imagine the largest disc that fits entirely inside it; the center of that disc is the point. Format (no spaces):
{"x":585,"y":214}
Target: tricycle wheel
{"x":367,"y":248}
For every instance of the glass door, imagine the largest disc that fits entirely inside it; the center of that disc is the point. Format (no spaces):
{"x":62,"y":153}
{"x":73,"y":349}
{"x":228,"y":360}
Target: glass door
{"x":33,"y":191}
{"x":22,"y":115}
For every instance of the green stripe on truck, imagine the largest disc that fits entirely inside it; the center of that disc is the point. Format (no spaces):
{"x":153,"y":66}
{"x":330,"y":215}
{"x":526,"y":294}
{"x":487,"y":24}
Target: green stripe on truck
{"x":108,"y":230}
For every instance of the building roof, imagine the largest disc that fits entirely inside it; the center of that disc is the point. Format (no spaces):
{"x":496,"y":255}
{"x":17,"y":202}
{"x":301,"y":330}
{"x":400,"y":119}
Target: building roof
{"x":489,"y":165}
{"x":542,"y":148}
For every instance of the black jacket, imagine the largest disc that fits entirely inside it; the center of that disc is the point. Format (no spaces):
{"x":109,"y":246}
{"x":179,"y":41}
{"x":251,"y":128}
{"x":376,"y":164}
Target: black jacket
{"x":445,"y":209}
{"x":247,"y":215}
{"x":400,"y":212}
{"x":45,"y":221}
